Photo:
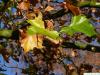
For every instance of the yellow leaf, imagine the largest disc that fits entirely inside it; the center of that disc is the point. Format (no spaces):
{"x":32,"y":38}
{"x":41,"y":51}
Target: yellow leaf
{"x":30,"y":42}
{"x":49,"y":8}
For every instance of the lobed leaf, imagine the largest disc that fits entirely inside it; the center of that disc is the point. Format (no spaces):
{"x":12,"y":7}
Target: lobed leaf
{"x":79,"y":24}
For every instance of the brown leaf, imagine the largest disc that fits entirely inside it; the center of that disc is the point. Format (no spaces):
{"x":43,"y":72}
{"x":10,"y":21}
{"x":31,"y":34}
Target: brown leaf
{"x":49,"y":25}
{"x":31,"y":41}
{"x":31,"y":15}
{"x":24,"y":5}
{"x":98,"y":31}
{"x":74,"y":53}
{"x":49,"y":8}
{"x":75,"y":10}
{"x":98,"y":37}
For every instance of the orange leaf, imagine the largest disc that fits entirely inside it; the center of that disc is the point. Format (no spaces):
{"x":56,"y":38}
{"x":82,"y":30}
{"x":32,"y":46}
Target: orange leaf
{"x":75,"y":10}
{"x":49,"y":25}
{"x":30,"y":42}
{"x":49,"y":8}
{"x":30,"y":15}
{"x":24,"y":5}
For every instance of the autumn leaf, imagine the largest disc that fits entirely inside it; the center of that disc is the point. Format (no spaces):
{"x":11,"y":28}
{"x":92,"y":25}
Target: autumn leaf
{"x":24,"y":5}
{"x":35,"y":34}
{"x":30,"y":15}
{"x":49,"y":8}
{"x":75,"y":10}
{"x":49,"y":25}
{"x":31,"y":41}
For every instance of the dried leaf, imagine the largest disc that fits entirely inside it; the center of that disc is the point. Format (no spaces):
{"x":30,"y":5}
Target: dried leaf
{"x":49,"y":25}
{"x":31,"y":41}
{"x":30,"y":15}
{"x":24,"y":6}
{"x":75,"y":10}
{"x":49,"y":8}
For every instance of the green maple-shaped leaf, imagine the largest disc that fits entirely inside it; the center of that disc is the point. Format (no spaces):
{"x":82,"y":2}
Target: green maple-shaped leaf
{"x":79,"y":24}
{"x":37,"y":27}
